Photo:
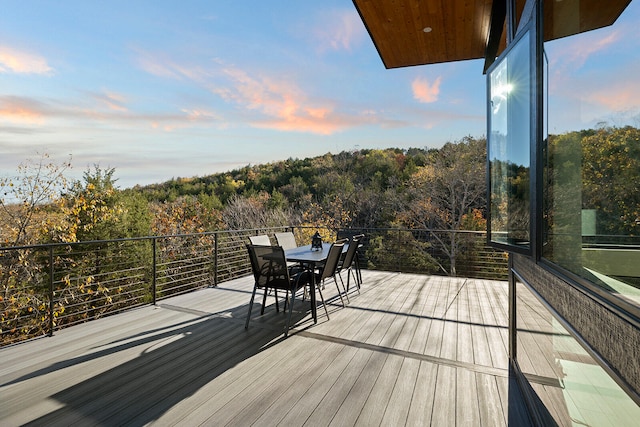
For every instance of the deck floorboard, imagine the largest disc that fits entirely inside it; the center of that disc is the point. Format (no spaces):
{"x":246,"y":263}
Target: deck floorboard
{"x":407,"y":350}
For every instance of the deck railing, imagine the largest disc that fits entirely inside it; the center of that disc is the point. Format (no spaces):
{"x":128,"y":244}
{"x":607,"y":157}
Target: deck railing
{"x":44,"y":288}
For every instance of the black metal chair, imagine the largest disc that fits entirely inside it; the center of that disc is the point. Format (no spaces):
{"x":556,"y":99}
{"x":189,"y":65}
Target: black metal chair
{"x":347,"y":262}
{"x":270,"y":272}
{"x":330,"y":268}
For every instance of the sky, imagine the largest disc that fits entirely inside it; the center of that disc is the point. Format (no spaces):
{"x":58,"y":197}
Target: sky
{"x":166,"y":89}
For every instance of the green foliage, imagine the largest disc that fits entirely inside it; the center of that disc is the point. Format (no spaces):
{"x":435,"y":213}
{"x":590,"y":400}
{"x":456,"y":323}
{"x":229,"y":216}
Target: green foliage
{"x":611,"y":179}
{"x":399,"y":250}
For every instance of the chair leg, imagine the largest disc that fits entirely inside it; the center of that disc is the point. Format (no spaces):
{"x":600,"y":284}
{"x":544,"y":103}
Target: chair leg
{"x":343,"y":288}
{"x":253,"y":295}
{"x":353,"y":273}
{"x":293,"y":297}
{"x":324,"y":304}
{"x":339,"y":293}
{"x":264,"y":301}
{"x":358,"y":272}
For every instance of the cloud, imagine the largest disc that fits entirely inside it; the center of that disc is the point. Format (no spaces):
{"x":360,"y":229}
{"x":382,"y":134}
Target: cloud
{"x":424,"y":92}
{"x":110,"y":109}
{"x":262,"y":100}
{"x":20,"y":62}
{"x":113,"y":101}
{"x":286,"y":107}
{"x":159,"y":65}
{"x":619,"y":96}
{"x":573,"y":52}
{"x":338,"y":30}
{"x":18,"y":109}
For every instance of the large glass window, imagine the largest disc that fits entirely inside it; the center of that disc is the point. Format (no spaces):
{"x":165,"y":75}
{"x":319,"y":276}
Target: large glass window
{"x":509,"y":83}
{"x":592,"y":164}
{"x":574,"y":389}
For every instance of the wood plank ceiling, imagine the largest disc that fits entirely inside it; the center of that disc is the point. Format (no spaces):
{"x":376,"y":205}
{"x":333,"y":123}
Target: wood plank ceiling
{"x":418,"y":32}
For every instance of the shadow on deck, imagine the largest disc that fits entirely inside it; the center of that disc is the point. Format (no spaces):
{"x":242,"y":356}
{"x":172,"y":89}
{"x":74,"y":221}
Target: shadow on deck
{"x":408,"y":350}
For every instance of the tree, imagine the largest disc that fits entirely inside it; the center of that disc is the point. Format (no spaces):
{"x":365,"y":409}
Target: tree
{"x":610,"y":179}
{"x":254,"y":212}
{"x":26,"y":202}
{"x":449,"y":187}
{"x":25,"y":197}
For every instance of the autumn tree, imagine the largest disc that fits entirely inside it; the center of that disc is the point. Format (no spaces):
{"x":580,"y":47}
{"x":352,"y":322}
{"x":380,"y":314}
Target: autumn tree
{"x":254,"y":212}
{"x":26,"y":202}
{"x":445,"y":191}
{"x":27,"y":198}
{"x":611,"y":179}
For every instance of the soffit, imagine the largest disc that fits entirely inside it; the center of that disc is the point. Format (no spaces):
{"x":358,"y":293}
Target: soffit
{"x":460,"y":28}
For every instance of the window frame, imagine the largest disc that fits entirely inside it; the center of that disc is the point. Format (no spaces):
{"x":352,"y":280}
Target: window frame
{"x":535,"y":134}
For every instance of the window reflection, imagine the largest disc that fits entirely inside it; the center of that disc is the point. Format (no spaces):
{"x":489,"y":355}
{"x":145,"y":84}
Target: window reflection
{"x":592,"y":163}
{"x":574,"y":389}
{"x":509,"y":83}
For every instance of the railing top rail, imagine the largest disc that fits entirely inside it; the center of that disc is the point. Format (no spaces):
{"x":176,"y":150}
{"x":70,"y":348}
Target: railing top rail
{"x":205,"y":233}
{"x":128,"y":239}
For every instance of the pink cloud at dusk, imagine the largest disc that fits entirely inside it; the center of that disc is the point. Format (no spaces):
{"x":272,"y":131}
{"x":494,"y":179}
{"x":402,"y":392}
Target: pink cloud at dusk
{"x":618,"y":96}
{"x":287,"y":106}
{"x":425,"y":92}
{"x":32,"y":112}
{"x":21,"y":110}
{"x":20,"y":62}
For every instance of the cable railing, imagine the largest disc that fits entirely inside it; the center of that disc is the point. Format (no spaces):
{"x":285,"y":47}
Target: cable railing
{"x":44,"y":288}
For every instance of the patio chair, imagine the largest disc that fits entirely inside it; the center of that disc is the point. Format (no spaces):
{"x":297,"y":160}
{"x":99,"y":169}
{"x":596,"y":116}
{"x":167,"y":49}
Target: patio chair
{"x":262,"y":240}
{"x":347,"y":262}
{"x":330,"y":267}
{"x":270,"y":272}
{"x":287,"y":240}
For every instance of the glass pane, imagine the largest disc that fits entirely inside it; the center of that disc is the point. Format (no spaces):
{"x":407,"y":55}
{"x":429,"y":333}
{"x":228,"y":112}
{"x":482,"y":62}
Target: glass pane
{"x":592,"y":165}
{"x":509,"y":141}
{"x":574,"y":389}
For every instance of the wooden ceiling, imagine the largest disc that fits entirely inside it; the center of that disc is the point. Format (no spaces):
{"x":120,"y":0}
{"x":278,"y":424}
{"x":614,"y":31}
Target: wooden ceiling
{"x":459,"y":29}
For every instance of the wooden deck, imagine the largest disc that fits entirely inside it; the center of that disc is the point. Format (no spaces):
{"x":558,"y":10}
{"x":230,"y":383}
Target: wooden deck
{"x":408,"y":350}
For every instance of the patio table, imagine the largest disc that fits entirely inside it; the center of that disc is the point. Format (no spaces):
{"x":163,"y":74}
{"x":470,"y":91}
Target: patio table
{"x":308,"y":259}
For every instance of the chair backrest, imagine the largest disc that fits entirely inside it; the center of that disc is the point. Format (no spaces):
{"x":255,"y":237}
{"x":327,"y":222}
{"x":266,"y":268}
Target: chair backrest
{"x":269,"y":266}
{"x":287,"y":240}
{"x":262,"y":240}
{"x":351,"y":251}
{"x":331,"y":264}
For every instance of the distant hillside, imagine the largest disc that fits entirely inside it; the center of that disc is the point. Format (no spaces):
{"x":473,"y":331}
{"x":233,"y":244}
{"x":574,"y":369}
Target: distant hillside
{"x":295,"y":179}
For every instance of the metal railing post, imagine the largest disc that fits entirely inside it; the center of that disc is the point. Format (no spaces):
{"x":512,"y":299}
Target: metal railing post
{"x":51,"y":302}
{"x":154,"y":272}
{"x":215,"y":259}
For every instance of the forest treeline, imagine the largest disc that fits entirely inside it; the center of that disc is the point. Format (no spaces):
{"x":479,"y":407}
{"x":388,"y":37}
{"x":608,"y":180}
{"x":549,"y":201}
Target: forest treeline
{"x":428,"y":188}
{"x":441,"y":188}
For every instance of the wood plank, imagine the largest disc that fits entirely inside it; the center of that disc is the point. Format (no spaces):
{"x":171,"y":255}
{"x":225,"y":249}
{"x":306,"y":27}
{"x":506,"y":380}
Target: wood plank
{"x":190,"y":361}
{"x":400,"y":401}
{"x":465,"y":348}
{"x":489,"y":402}
{"x":423,"y":398}
{"x":467,"y":391}
{"x":445,"y":397}
{"x":378,"y":398}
